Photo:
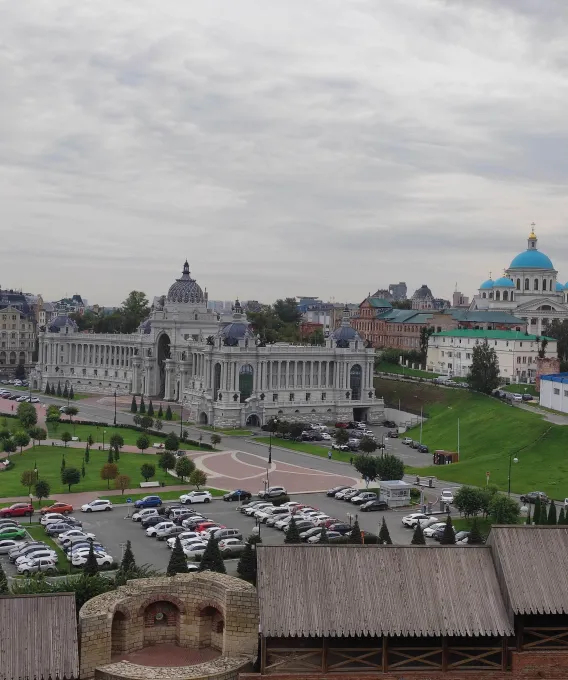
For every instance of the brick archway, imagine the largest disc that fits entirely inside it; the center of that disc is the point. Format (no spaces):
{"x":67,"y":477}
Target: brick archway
{"x":161,"y":597}
{"x":211,"y":627}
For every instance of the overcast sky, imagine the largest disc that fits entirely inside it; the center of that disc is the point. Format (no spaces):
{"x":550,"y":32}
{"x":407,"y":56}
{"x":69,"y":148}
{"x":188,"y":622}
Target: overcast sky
{"x":285,"y":147}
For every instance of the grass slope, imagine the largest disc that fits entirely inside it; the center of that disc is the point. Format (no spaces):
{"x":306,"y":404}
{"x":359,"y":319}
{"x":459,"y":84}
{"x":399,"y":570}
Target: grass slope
{"x":304,"y":447}
{"x":47,"y":459}
{"x":385,"y":367}
{"x":489,"y":432}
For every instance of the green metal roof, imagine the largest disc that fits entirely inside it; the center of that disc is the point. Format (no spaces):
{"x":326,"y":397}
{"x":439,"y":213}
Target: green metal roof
{"x":490,"y":335}
{"x":379,"y":302}
{"x":483,"y":316}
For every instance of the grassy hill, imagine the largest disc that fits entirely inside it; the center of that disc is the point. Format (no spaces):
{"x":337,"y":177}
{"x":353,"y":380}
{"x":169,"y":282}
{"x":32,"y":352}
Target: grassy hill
{"x":489,"y":431}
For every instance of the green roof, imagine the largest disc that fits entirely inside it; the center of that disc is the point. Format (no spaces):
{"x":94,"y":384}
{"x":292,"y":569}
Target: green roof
{"x":490,"y":335}
{"x":379,"y":302}
{"x":482,"y":316}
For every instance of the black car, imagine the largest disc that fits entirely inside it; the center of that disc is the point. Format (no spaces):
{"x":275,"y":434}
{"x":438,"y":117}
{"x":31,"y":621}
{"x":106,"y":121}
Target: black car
{"x":151,"y":521}
{"x":238,"y":495}
{"x":414,"y":444}
{"x":340,"y":527}
{"x":393,"y":434}
{"x":389,"y":423}
{"x":423,"y":448}
{"x":528,"y":397}
{"x":336,"y":489}
{"x":314,"y":531}
{"x":174,"y":531}
{"x":533,"y":495}
{"x":374,"y":505}
{"x":56,"y":528}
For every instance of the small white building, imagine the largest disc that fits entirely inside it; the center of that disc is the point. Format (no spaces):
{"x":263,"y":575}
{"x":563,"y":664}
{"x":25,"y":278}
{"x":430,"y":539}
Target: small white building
{"x":395,"y":492}
{"x":554,"y":391}
{"x":451,"y":352}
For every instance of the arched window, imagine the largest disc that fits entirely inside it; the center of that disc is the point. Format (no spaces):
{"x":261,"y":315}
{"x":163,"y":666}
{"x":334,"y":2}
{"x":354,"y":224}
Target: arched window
{"x":527,"y":283}
{"x":484,"y":295}
{"x":497,"y":295}
{"x":536,"y":285}
{"x":246,"y":375}
{"x":505,"y":295}
{"x":491,"y":295}
{"x":355,"y":375}
{"x":217,"y":381}
{"x":518,"y":284}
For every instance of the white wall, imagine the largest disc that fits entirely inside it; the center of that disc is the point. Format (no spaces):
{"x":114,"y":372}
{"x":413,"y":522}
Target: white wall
{"x":548,"y":398}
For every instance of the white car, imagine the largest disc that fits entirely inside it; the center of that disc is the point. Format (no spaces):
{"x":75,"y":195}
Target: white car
{"x":97,"y":506}
{"x":146,"y":512}
{"x":447,"y":496}
{"x":36,"y":555}
{"x":34,"y":400}
{"x":153,"y":531}
{"x":84,"y":551}
{"x":43,"y":564}
{"x":430,"y":530}
{"x":80,"y":559}
{"x":326,"y":436}
{"x":52,"y":517}
{"x":263,"y":514}
{"x":8,"y":544}
{"x":206,"y":533}
{"x":73,"y":533}
{"x":194,"y":549}
{"x":341,"y":494}
{"x":406,"y":440}
{"x":412,"y":520}
{"x":433,"y":519}
{"x":291,"y":505}
{"x":262,"y":506}
{"x":321,"y":520}
{"x":196,"y":497}
{"x":282,"y":523}
{"x":184,"y":536}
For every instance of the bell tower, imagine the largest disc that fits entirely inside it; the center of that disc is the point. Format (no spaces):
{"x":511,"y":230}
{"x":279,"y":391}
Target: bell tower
{"x":532,"y":241}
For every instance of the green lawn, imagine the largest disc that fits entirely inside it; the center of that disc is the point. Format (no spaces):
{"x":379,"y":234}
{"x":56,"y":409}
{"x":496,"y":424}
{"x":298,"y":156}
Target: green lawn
{"x":520,"y":389}
{"x":236,"y":432}
{"x":463,"y":524}
{"x":76,"y":397}
{"x":83,"y":431}
{"x":47,"y":460}
{"x":490,"y":430}
{"x":304,"y":447}
{"x":385,"y":367}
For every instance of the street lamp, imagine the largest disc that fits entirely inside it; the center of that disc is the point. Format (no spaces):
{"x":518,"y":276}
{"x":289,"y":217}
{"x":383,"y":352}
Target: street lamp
{"x":115,"y":408}
{"x":511,"y":460}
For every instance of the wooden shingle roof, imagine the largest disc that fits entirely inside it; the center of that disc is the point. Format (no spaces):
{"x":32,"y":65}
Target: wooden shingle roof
{"x":347,"y":590}
{"x":38,"y":636}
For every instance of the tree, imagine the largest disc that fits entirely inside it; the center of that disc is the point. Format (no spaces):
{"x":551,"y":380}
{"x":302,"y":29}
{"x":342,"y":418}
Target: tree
{"x":171,"y":442}
{"x":53,"y":390}
{"x":449,"y":535}
{"x":90,"y":440}
{"x":561,"y":516}
{"x":146,"y":422}
{"x":355,"y":535}
{"x":133,"y":405}
{"x":295,"y":430}
{"x":63,"y":464}
{"x":184,"y":467}
{"x":27,"y":415}
{"x":418,"y":536}
{"x":390,"y":467}
{"x":368,"y":445}
{"x":484,"y":372}
{"x":323,"y":537}
{"x":341,"y":436}
{"x":537,"y":510}
{"x":167,"y":461}
{"x":178,"y":560}
{"x":425,"y":333}
{"x":110,"y":457}
{"x":143,"y":442}
{"x":9,"y":446}
{"x":134,"y":310}
{"x":91,"y":567}
{"x":108,"y":472}
{"x":367,"y":467}
{"x":246,"y":568}
{"x":212,"y":559}
{"x":71,"y":393}
{"x":150,"y":411}
{"x":37,"y":434}
{"x":42,"y":490}
{"x":87,"y":454}
{"x":142,"y":408}
{"x":4,"y":588}
{"x":292,"y":535}
{"x":147,"y":470}
{"x":169,"y":414}
{"x":66,"y":437}
{"x":116,"y":442}
{"x":128,"y":563}
{"x":504,"y":510}
{"x":158,"y":424}
{"x":59,"y":392}
{"x":559,"y":331}
{"x":28,"y":478}
{"x":160,"y":413}
{"x":384,"y":536}
{"x":475,"y":537}
{"x":198,"y":478}
{"x":70,"y":476}
{"x":122,"y":482}
{"x":215,"y":439}
{"x":20,"y":372}
{"x":542,"y":348}
{"x":65,"y":391}
{"x":136,"y":419}
{"x":528,"y":520}
{"x":552,"y":513}
{"x":21,"y":439}
{"x":5,"y":433}
{"x":47,"y":388}
{"x":469,"y":500}
{"x":83,"y":471}
{"x":71,"y":411}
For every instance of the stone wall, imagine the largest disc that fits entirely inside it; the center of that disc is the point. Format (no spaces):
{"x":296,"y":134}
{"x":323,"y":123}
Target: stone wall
{"x":547,"y":366}
{"x":191,"y":610}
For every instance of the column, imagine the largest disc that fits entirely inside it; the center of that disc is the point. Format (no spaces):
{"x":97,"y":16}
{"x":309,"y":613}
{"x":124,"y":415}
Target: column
{"x":304,"y":374}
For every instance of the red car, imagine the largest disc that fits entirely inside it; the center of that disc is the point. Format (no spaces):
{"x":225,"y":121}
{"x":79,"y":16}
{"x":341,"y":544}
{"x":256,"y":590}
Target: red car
{"x":63,"y":508}
{"x":17,"y":510}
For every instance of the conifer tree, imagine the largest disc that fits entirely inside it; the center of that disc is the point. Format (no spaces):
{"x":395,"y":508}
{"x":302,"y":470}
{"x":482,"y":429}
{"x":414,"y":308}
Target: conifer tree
{"x":561,"y":517}
{"x":552,"y":513}
{"x":384,"y":536}
{"x":150,"y":411}
{"x":292,"y":535}
{"x":212,"y":559}
{"x":246,"y":568}
{"x":355,"y":536}
{"x":449,"y":535}
{"x":71,"y":393}
{"x":4,"y":588}
{"x":178,"y":560}
{"x":91,"y":567}
{"x":475,"y":537}
{"x":323,"y":537}
{"x":142,"y":409}
{"x":529,"y":518}
{"x":59,"y":392}
{"x":47,"y":388}
{"x":133,"y":405}
{"x":169,"y":414}
{"x":418,"y":536}
{"x":160,"y":413}
{"x":536,"y":513}
{"x":128,"y":562}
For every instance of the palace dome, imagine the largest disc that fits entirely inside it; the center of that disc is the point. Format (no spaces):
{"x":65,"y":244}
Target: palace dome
{"x":238,"y":329}
{"x":185,"y":290}
{"x":559,"y":287}
{"x":60,"y":322}
{"x":531,"y":259}
{"x":487,"y":284}
{"x":503,"y":282}
{"x":345,"y":333}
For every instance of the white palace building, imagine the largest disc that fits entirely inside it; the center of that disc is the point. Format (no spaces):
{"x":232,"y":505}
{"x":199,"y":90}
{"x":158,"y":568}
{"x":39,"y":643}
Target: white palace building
{"x":220,"y":370}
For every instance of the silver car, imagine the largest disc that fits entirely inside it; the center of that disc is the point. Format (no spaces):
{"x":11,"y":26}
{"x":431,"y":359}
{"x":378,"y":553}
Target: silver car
{"x":43,"y":564}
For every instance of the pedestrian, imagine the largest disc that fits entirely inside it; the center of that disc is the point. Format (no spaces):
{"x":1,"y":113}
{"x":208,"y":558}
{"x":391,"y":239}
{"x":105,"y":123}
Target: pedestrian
{"x":329,"y":455}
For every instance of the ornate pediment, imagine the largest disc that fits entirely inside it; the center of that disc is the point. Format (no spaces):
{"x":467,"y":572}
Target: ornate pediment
{"x":536,"y":306}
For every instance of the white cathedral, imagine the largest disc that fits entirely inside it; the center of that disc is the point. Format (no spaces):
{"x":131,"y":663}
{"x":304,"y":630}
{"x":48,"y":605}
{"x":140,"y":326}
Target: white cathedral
{"x":529,"y":289}
{"x":219,"y":370}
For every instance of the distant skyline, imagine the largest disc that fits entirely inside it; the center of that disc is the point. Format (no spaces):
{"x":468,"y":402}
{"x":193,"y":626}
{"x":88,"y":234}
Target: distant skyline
{"x":329,"y":146}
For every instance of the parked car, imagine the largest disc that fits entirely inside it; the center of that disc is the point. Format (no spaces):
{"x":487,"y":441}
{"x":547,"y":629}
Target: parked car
{"x":146,"y":512}
{"x":163,"y":532}
{"x":36,"y":554}
{"x":272,"y":492}
{"x":73,"y":549}
{"x":225,"y":534}
{"x":349,"y":494}
{"x":308,"y":533}
{"x":17,"y":510}
{"x":412,"y":520}
{"x":9,"y":523}
{"x":423,"y":448}
{"x":331,"y":536}
{"x":374,"y":504}
{"x":406,"y":440}
{"x":60,"y":507}
{"x":194,"y":549}
{"x":153,"y":530}
{"x":238,"y":495}
{"x":447,"y":496}
{"x":341,"y":494}
{"x":12,"y":532}
{"x":183,"y":536}
{"x":231,"y":547}
{"x":429,"y":531}
{"x":392,"y":434}
{"x":66,"y":537}
{"x":340,"y":447}
{"x":7,"y":544}
{"x":23,"y":548}
{"x":462,"y":537}
{"x":531,"y":497}
{"x":528,"y":397}
{"x":336,"y":489}
{"x":437,"y":535}
{"x":56,"y":528}
{"x":196,"y":497}
{"x":148,"y":502}
{"x":340,"y":527}
{"x":363,"y":497}
{"x":301,"y":525}
{"x":43,"y":564}
{"x":103,"y":559}
{"x":250,"y":511}
{"x":277,"y":516}
{"x":98,"y":505}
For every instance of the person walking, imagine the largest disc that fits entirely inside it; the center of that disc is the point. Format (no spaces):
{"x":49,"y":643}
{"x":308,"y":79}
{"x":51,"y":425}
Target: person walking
{"x":329,"y":455}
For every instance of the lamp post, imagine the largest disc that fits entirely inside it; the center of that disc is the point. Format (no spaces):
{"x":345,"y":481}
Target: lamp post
{"x":115,"y":408}
{"x":511,"y":460}
{"x":67,"y":385}
{"x":104,"y":432}
{"x":181,"y":419}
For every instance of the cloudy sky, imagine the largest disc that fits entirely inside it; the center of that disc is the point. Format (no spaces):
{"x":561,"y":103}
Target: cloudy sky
{"x":315,"y":147}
